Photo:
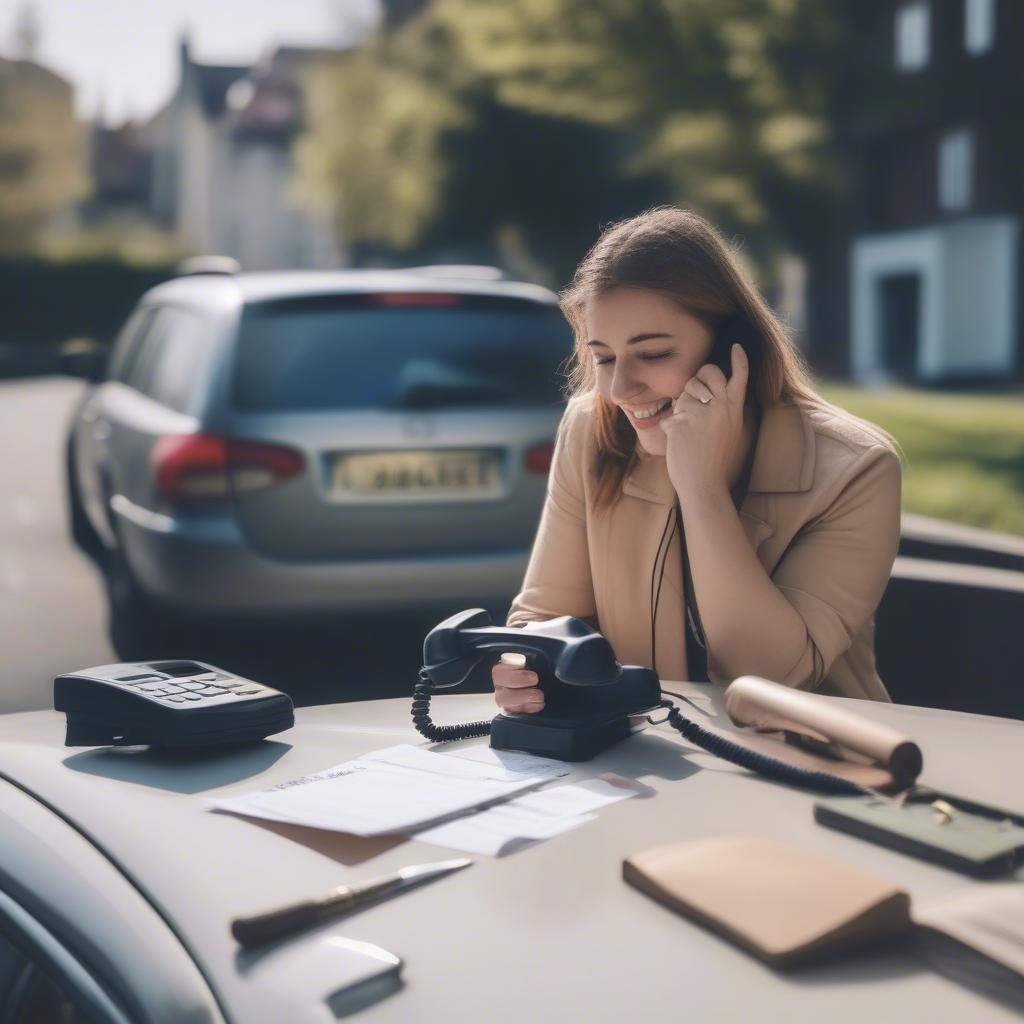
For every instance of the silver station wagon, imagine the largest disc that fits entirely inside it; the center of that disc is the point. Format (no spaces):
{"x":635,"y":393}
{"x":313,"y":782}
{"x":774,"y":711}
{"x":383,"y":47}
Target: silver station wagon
{"x":305,"y":442}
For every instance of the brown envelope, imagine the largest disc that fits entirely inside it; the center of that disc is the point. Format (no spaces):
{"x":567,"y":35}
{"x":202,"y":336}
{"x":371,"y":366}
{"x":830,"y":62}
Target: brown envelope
{"x":785,"y":904}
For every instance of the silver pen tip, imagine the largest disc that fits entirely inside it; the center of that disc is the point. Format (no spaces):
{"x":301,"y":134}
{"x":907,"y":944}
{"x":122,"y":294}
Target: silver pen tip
{"x":441,"y":867}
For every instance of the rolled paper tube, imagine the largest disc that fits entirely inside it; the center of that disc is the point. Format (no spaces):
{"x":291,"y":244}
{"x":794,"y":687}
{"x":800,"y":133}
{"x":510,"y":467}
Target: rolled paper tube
{"x":767,"y":706}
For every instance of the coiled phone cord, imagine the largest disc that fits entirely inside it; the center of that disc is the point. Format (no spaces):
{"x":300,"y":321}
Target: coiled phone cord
{"x":440,"y":733}
{"x":762,"y":764}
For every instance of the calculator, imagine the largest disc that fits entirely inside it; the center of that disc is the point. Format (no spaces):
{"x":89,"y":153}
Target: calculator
{"x":167,"y":704}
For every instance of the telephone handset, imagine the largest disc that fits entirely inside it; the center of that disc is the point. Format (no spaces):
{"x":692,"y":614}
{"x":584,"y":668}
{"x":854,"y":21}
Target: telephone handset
{"x":738,"y":329}
{"x":590,"y":700}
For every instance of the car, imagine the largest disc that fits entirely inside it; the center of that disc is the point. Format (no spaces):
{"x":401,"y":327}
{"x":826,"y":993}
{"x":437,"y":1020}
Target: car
{"x":303,"y":443}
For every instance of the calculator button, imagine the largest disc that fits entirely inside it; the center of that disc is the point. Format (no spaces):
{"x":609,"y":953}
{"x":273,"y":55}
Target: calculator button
{"x":172,"y":689}
{"x":190,"y":685}
{"x":192,"y":696}
{"x":242,"y":693}
{"x":212,"y":691}
{"x":151,"y":688}
{"x":207,"y":677}
{"x":178,"y":700}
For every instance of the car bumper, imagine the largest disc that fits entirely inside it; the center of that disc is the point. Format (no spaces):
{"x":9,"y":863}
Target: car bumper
{"x":205,"y":566}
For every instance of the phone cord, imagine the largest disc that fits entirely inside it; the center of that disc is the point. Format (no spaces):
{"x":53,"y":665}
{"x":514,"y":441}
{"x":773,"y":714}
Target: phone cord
{"x":439,"y":733}
{"x":771,"y":767}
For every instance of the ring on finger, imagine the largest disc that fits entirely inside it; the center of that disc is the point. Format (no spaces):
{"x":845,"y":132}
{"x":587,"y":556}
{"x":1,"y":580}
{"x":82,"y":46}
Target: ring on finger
{"x":705,"y":394}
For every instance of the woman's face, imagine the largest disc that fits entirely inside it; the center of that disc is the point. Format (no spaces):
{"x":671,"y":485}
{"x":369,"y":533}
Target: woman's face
{"x":645,"y":349}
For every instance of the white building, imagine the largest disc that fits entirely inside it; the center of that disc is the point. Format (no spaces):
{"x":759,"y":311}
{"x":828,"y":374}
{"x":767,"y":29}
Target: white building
{"x":222,"y":163}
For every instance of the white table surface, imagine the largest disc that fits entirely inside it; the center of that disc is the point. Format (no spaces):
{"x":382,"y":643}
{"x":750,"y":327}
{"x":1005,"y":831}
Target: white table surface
{"x":550,"y":933}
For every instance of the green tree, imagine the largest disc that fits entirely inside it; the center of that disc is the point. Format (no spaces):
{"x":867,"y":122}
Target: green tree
{"x":373,"y":156}
{"x":560,"y":114}
{"x":410,"y":151}
{"x":731,"y":101}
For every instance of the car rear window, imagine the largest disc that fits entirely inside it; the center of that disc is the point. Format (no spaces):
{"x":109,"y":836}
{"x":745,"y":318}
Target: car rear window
{"x":399,"y":351}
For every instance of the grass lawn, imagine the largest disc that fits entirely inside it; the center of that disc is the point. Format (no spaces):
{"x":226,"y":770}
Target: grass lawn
{"x":964,"y":453}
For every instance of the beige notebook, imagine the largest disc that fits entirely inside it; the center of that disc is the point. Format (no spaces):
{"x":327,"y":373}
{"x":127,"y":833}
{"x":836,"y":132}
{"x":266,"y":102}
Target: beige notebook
{"x":785,"y":904}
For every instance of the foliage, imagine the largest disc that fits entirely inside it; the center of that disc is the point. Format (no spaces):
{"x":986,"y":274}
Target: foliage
{"x":719,"y":93}
{"x":965,"y":453}
{"x":721,"y":105}
{"x":47,"y":301}
{"x":373,"y":158}
{"x":129,"y":241}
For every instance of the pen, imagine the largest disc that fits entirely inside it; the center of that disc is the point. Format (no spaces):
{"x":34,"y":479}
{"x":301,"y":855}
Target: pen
{"x":251,"y":931}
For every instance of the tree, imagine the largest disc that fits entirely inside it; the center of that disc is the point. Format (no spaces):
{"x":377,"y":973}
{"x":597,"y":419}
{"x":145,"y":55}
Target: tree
{"x":410,"y":151}
{"x":373,"y":155}
{"x":725,"y":106}
{"x":730,"y":100}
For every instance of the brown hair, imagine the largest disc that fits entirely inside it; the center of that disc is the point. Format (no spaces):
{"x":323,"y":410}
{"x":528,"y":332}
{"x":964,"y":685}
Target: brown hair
{"x":681,"y":256}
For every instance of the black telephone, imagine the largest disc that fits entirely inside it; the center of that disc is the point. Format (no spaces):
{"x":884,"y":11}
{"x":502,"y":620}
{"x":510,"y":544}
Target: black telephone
{"x":737,"y":329}
{"x":167,"y":704}
{"x":590,"y":700}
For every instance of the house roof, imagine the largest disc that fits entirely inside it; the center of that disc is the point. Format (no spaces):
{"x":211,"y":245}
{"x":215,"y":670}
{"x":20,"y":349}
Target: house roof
{"x":29,"y":71}
{"x":212,"y":84}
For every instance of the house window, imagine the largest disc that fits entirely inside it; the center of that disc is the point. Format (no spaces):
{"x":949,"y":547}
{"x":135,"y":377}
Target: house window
{"x":913,"y":26}
{"x":979,"y":25}
{"x":956,"y":159}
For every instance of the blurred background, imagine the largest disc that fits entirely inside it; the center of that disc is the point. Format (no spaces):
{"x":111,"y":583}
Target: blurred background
{"x":866,"y":157}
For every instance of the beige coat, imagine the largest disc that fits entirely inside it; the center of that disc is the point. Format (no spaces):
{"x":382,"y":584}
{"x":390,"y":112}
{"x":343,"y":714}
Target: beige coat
{"x":822,"y":513}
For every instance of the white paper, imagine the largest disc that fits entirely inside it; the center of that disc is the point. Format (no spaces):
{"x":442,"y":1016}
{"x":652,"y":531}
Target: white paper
{"x":397,"y":789}
{"x":582,"y":797}
{"x":510,"y":763}
{"x":530,"y":818}
{"x":499,"y":830}
{"x":478,"y":762}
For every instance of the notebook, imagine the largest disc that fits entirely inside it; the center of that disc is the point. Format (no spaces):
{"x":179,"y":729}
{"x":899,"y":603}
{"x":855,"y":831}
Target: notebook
{"x":784,"y":904}
{"x":976,"y":937}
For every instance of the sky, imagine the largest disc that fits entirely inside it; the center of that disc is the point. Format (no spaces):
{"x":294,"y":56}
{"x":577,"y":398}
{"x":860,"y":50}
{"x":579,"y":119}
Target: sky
{"x":122,"y":55}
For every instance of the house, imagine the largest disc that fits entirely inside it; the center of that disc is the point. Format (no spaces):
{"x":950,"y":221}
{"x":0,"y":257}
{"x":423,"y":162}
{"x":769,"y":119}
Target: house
{"x":43,"y":156}
{"x":935,"y":267}
{"x":222,"y":163}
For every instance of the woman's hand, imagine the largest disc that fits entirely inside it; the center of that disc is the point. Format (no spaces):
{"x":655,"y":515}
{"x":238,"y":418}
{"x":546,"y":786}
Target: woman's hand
{"x":706,"y":428}
{"x":515,"y":687}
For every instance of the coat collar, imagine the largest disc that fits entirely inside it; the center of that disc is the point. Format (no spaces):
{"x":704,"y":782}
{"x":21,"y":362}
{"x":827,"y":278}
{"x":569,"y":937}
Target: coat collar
{"x":783,"y":459}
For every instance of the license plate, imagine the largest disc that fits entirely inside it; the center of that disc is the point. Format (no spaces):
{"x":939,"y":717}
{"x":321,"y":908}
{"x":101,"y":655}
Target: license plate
{"x":453,"y":473}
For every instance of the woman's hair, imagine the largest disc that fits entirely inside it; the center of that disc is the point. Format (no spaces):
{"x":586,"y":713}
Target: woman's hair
{"x":678,"y":254}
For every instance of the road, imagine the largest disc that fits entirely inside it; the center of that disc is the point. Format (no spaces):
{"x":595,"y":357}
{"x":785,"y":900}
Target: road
{"x":53,"y":610}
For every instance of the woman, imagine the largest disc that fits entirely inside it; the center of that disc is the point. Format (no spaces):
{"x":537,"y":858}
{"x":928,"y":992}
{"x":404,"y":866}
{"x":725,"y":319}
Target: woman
{"x":788,"y":509}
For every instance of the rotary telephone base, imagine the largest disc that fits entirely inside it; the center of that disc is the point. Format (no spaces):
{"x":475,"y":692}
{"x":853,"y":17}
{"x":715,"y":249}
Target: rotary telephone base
{"x":590,"y":701}
{"x":566,"y":739}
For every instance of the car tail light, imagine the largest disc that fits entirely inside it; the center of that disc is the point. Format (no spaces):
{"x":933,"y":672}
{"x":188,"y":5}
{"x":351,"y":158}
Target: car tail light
{"x":204,"y":468}
{"x":538,"y":458}
{"x":256,"y":465}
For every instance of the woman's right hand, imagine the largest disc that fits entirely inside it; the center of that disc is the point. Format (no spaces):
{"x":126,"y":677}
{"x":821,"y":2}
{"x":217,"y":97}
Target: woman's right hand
{"x":515,"y":686}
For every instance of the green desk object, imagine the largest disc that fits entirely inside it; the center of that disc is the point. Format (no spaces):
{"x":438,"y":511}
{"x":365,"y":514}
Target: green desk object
{"x":939,"y":827}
